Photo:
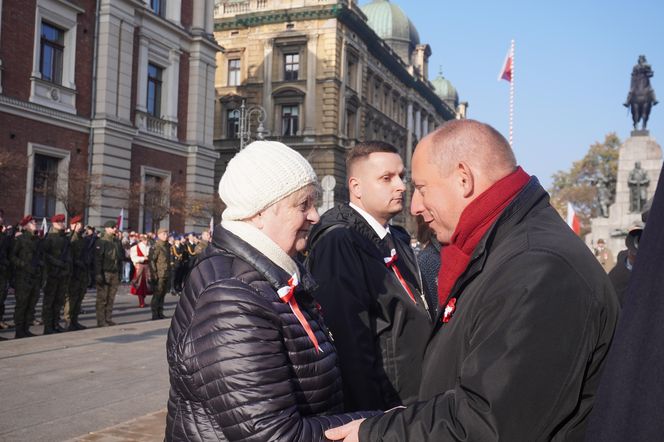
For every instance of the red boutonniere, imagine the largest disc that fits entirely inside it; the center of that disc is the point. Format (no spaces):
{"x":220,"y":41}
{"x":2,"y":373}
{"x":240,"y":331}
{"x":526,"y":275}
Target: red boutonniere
{"x":449,"y":310}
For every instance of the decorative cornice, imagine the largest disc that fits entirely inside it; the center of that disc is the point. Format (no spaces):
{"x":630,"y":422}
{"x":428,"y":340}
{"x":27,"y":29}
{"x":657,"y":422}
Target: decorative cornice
{"x":280,"y":16}
{"x":43,"y":114}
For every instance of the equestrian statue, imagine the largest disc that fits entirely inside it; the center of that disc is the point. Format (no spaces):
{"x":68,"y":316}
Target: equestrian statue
{"x":641,"y":97}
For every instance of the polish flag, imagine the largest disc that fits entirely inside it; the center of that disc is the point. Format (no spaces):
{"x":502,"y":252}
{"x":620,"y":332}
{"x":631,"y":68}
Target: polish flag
{"x":120,"y":221}
{"x":506,"y":71}
{"x":573,"y":219}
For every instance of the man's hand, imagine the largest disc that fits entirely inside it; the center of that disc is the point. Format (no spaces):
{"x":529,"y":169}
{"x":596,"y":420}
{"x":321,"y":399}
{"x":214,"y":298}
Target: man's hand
{"x":347,"y":433}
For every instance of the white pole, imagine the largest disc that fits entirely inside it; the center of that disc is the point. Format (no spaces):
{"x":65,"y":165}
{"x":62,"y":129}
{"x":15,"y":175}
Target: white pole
{"x":512,"y":98}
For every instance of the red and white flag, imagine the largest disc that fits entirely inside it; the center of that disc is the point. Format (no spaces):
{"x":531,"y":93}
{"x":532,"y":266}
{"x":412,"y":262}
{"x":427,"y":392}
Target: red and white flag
{"x":120,"y":220}
{"x":506,"y":71}
{"x":573,"y":220}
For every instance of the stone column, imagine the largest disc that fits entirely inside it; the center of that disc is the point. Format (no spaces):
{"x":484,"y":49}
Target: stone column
{"x":418,"y":124}
{"x":198,"y":19}
{"x":268,"y":49}
{"x":310,"y":99}
{"x":142,"y":80}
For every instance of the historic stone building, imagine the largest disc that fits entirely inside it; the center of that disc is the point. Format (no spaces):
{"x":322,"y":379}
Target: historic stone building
{"x":109,"y":94}
{"x":327,"y":74}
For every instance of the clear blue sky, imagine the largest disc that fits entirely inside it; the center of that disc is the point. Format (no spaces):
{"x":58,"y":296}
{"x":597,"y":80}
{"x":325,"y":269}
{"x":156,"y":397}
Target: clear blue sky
{"x":572,"y":68}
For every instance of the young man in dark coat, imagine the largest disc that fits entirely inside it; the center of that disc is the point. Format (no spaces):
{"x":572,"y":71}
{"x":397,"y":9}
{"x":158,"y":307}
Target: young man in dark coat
{"x":370,"y":287}
{"x":527,"y":314}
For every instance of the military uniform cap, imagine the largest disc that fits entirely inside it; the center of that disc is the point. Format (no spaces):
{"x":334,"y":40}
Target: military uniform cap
{"x":110,"y":223}
{"x":59,"y":218}
{"x":162,"y":230}
{"x":75,"y":219}
{"x":26,"y":219}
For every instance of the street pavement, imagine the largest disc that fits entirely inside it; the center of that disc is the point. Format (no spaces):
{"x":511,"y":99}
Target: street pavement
{"x":100,"y":384}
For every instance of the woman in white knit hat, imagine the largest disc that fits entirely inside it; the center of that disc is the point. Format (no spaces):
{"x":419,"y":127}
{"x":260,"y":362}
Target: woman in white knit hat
{"x":249,"y":355}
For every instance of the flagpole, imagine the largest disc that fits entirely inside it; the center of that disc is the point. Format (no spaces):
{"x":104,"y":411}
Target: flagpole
{"x":512,"y":98}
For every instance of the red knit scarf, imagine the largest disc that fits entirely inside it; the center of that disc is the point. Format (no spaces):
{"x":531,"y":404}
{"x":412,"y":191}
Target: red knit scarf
{"x":474,"y":222}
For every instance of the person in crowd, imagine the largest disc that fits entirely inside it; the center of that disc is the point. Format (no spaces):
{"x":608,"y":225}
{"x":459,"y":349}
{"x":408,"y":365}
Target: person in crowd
{"x":249,"y":355}
{"x":90,"y":237}
{"x":5,"y":248}
{"x":620,"y":274}
{"x":179,"y":253}
{"x":57,"y":257}
{"x":369,"y":284}
{"x":125,"y":240}
{"x":429,"y":261}
{"x":27,"y":262}
{"x":140,"y":284}
{"x":202,"y":243}
{"x":108,"y":266}
{"x":160,"y":273}
{"x":527,"y":314}
{"x":604,"y":255}
{"x":78,"y":282}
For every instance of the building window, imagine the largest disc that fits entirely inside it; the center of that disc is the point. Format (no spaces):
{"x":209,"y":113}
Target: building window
{"x":154,"y":90}
{"x":232,"y":123}
{"x":52,"y":51}
{"x":234,"y":72}
{"x":158,"y":6}
{"x":153,"y":202}
{"x":289,"y":119}
{"x":351,"y":124}
{"x":44,"y":186}
{"x":291,"y":66}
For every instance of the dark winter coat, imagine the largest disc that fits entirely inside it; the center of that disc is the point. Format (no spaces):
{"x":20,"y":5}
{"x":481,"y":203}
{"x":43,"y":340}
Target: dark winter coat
{"x":379,"y":332}
{"x":521,"y":357}
{"x":241,"y":366}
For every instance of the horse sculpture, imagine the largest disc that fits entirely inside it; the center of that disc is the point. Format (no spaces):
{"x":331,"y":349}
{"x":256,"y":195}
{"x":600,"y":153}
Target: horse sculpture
{"x":641,"y":97}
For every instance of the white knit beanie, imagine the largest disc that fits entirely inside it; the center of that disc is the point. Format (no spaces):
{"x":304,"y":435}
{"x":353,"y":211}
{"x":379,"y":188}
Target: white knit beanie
{"x":260,"y":175}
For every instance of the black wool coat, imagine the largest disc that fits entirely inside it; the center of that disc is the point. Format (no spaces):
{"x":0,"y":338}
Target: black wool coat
{"x":521,"y":357}
{"x":379,"y":332}
{"x":241,"y":366}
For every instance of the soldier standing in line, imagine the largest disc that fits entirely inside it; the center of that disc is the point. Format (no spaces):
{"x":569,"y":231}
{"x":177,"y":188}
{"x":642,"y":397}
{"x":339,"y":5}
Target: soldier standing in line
{"x":108,"y":265}
{"x":78,"y":283}
{"x":160,"y":271}
{"x":5,"y":241}
{"x":202,"y":243}
{"x":57,"y":254}
{"x":27,"y":264}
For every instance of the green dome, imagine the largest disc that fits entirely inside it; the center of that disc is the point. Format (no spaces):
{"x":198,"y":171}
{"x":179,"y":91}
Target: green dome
{"x":445,"y":90}
{"x":390,"y":23}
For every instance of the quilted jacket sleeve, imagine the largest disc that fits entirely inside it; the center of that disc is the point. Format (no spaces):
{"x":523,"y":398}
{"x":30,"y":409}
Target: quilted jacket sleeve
{"x":239,"y":370}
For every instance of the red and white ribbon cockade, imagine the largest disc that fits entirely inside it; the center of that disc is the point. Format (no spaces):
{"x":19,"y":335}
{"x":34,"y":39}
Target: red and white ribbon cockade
{"x":287,"y":294}
{"x":449,"y":310}
{"x":390,"y":262}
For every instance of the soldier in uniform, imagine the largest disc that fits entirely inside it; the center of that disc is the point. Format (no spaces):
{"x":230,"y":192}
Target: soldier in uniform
{"x":27,"y":264}
{"x":160,"y":271}
{"x":5,"y":240}
{"x":108,"y":265}
{"x":202,"y":243}
{"x":57,"y":255}
{"x":78,"y":282}
{"x":180,"y":260}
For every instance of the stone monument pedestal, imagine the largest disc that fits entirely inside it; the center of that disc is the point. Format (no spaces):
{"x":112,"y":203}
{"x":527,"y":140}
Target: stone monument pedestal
{"x":640,"y":147}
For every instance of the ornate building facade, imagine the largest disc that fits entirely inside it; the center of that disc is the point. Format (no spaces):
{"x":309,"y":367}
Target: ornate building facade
{"x":120,"y":92}
{"x":327,"y":73}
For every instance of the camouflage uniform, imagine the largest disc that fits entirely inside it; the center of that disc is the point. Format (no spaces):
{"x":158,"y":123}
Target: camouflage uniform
{"x":160,"y":269}
{"x":57,"y":254}
{"x":108,"y":265}
{"x":78,"y":283}
{"x":27,"y":261}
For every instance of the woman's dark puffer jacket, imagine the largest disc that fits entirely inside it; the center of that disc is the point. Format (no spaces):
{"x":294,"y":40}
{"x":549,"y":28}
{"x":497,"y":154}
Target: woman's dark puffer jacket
{"x":241,"y":366}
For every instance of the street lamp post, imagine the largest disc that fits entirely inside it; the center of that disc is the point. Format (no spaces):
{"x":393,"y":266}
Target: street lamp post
{"x":245,"y":123}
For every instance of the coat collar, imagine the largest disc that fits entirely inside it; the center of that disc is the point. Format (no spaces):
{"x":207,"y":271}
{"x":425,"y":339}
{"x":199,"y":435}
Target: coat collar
{"x":223,"y":240}
{"x":531,"y":196}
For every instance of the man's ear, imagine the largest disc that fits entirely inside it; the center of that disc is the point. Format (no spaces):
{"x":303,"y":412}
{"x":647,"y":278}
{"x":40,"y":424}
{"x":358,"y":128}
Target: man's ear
{"x":257,"y":220}
{"x":355,"y":187}
{"x":466,"y":179}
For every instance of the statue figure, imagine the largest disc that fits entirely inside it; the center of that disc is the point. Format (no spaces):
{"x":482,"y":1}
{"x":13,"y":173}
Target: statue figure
{"x":638,"y":188}
{"x":604,"y":196}
{"x":641,"y":96}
